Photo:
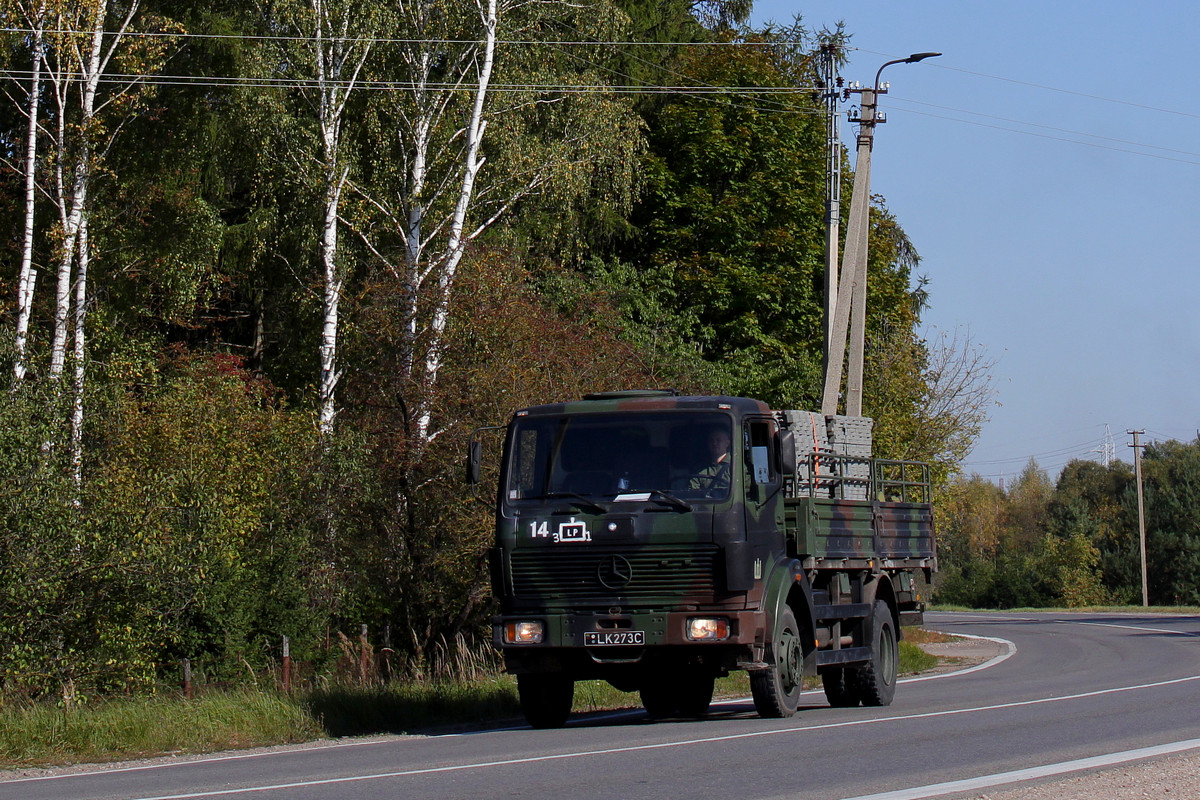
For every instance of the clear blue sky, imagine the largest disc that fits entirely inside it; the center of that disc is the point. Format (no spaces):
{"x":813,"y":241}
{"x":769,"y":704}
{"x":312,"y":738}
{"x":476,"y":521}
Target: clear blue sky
{"x":1047,"y":168}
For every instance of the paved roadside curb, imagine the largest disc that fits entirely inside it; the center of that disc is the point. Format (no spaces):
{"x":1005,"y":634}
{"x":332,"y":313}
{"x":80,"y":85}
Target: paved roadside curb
{"x":964,"y":652}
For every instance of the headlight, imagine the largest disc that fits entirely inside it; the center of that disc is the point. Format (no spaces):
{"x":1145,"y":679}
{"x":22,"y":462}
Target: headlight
{"x":530,"y":632}
{"x":707,"y":629}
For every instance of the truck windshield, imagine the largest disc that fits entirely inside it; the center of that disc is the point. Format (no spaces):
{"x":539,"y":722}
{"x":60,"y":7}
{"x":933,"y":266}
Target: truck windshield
{"x":621,"y":456}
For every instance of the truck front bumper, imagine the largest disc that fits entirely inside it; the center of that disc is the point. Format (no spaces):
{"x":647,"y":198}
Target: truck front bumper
{"x":569,"y":641}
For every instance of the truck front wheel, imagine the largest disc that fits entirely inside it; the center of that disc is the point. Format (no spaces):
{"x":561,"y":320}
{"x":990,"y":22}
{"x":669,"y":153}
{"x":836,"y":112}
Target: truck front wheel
{"x":546,"y":698}
{"x":686,"y":694}
{"x":776,"y":690}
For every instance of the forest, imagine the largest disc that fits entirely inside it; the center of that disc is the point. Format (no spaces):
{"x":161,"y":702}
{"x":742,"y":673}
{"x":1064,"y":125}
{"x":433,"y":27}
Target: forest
{"x":1074,"y":542}
{"x":268,"y":264}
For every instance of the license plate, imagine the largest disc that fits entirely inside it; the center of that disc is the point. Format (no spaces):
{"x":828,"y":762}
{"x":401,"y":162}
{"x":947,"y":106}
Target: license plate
{"x":613,"y":638}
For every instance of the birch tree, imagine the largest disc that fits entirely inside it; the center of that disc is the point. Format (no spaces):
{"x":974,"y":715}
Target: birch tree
{"x":467,"y":155}
{"x":333,"y":40}
{"x":338,"y":60}
{"x":27,"y":276}
{"x":87,"y":41}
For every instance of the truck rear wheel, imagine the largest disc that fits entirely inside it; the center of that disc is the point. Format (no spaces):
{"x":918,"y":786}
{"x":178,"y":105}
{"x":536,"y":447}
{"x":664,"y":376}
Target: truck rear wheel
{"x":546,"y":698}
{"x":776,"y":690}
{"x":876,"y":680}
{"x":840,"y":688}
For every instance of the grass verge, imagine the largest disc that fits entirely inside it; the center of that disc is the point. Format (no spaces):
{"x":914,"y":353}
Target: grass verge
{"x":1189,"y":610}
{"x":43,"y":734}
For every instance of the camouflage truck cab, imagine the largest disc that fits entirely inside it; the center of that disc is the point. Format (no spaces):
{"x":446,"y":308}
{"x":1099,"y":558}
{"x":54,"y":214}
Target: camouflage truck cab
{"x":658,"y":542}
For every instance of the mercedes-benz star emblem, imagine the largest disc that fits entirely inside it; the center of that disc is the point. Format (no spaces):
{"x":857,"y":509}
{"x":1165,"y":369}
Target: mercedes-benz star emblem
{"x":615,"y":572}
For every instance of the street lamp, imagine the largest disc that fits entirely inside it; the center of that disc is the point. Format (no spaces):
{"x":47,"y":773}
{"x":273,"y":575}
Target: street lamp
{"x":914,"y":58}
{"x":852,"y":290}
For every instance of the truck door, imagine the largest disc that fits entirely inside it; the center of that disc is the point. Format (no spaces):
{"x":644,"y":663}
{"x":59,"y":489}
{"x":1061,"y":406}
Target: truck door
{"x":763,"y":498}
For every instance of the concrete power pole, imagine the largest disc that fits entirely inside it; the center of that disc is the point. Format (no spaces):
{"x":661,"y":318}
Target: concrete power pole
{"x":853,"y":279}
{"x":1137,"y":472}
{"x":833,"y":177}
{"x":851,"y":309}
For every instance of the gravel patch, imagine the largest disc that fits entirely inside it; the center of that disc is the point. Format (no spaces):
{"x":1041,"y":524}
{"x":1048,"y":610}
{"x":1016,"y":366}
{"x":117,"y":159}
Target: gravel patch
{"x":1175,"y":776}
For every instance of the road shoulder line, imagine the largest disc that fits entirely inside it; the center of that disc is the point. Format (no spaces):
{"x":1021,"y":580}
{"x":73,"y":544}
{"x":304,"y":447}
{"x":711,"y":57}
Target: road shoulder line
{"x":1045,"y":771}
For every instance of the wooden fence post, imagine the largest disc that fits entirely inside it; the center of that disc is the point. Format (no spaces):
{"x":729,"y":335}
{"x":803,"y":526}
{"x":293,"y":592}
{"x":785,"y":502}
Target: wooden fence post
{"x":287,"y":666}
{"x":364,"y":656}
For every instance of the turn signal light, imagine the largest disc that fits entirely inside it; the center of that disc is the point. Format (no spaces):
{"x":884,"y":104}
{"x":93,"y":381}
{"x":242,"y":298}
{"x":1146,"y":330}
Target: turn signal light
{"x":705,"y":629}
{"x":531,"y":632}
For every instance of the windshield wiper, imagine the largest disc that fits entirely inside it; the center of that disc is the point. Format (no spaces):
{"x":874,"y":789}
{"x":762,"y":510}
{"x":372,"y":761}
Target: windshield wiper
{"x":584,"y":503}
{"x":663,"y":496}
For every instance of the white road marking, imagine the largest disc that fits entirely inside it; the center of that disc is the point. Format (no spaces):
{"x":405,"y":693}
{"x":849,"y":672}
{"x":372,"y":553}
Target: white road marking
{"x":1129,"y":627}
{"x":1010,"y":650}
{"x":591,"y":718}
{"x":662,"y":745}
{"x":209,"y":760}
{"x":1048,"y":770}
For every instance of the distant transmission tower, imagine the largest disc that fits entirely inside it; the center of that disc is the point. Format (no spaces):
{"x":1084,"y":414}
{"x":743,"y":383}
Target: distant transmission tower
{"x":1108,"y":449}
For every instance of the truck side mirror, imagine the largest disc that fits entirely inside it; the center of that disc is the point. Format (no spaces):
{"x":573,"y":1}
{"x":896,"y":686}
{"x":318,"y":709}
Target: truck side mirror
{"x":787,"y":452}
{"x":474,"y":459}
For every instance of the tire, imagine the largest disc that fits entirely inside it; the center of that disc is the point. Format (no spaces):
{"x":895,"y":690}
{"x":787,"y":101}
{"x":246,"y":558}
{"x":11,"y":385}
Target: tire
{"x":657,"y":698}
{"x":840,"y":689}
{"x":686,"y":694}
{"x":776,"y":690}
{"x":875,"y":682}
{"x":694,"y":694}
{"x":546,"y":698}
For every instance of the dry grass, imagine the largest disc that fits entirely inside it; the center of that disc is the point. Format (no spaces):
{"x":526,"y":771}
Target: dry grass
{"x":926,"y":636}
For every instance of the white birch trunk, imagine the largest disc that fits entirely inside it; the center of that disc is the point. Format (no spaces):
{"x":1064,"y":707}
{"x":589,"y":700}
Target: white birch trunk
{"x":332,"y":299}
{"x":27,"y":278}
{"x":62,"y":295}
{"x":412,"y":232}
{"x":80,"y":351}
{"x":333,"y":53}
{"x":456,"y":241}
{"x":90,"y":75}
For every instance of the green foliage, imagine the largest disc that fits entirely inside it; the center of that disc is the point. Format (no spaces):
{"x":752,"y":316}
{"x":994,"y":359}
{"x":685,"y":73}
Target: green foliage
{"x":208,"y":476}
{"x":732,"y":216}
{"x":1171,"y":471}
{"x":635,"y":241}
{"x":196,"y":535}
{"x":53,"y":565}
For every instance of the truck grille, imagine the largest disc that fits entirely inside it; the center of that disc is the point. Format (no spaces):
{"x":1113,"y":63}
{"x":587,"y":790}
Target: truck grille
{"x":659,"y":574}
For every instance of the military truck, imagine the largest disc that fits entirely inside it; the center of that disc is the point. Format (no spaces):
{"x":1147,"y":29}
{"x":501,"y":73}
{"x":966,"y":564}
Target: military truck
{"x":658,"y":542}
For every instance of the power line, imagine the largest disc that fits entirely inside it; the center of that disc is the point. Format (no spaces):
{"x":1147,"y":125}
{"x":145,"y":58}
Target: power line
{"x":373,"y":40}
{"x":1057,"y":138}
{"x":697,"y":88}
{"x":1082,"y":447}
{"x":229,"y":81}
{"x":1087,"y":95}
{"x":1058,"y":89}
{"x":1049,"y":127}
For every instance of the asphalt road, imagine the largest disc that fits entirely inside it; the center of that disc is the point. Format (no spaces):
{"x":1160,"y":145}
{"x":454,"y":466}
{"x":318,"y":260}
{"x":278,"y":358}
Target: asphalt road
{"x":1077,"y":686}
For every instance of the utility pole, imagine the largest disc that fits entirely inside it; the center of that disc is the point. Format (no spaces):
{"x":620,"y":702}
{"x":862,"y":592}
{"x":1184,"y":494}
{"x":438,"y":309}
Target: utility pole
{"x":851,"y":308}
{"x":853,"y":282}
{"x":832,"y":85}
{"x":1137,"y":472}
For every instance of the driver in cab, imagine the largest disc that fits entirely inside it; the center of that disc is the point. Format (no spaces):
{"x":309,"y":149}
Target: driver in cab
{"x":716,"y":475}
